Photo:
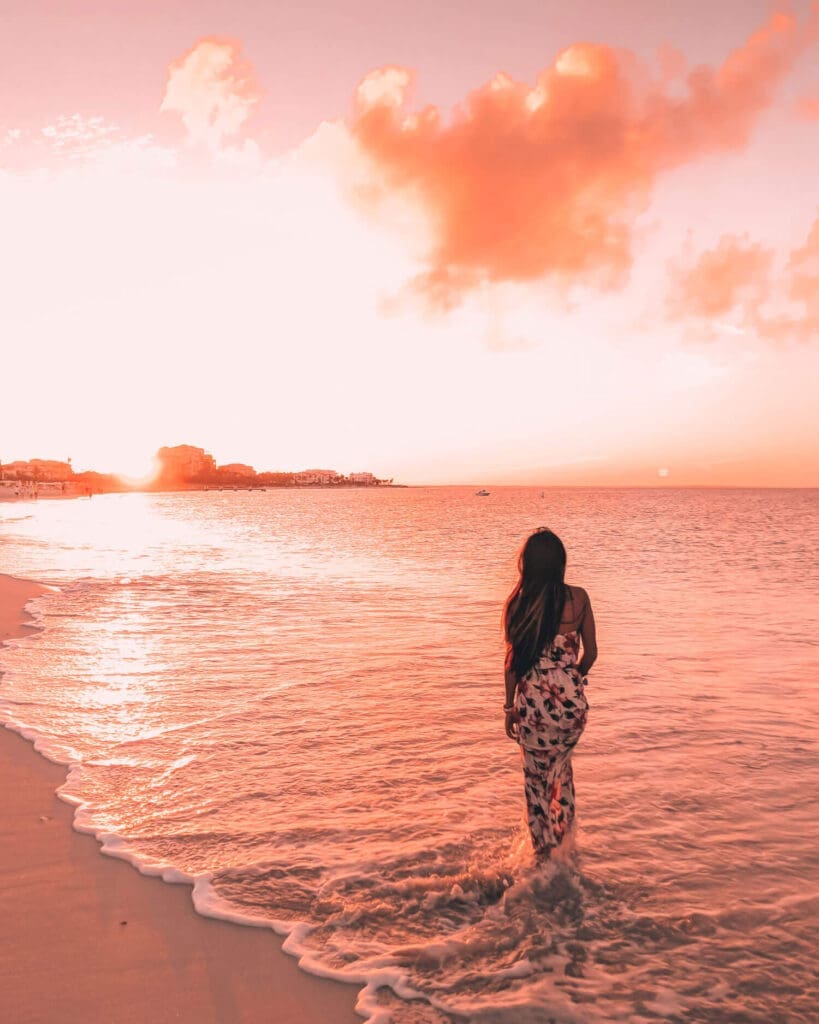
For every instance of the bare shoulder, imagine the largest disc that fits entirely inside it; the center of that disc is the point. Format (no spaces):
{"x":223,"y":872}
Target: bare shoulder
{"x":579,"y":595}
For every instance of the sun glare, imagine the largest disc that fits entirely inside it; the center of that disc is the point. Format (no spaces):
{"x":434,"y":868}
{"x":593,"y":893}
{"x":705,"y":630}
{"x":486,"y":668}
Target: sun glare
{"x":139,"y":473}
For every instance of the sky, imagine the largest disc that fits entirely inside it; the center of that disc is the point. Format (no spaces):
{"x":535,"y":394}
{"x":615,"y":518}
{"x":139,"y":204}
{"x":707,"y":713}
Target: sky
{"x":526,"y":242}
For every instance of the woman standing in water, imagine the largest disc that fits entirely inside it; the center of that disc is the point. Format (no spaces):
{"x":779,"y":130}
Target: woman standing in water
{"x":544,"y":621}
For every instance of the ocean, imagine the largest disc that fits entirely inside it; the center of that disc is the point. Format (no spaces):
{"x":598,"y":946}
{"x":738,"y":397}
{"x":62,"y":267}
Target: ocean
{"x":292,"y":698}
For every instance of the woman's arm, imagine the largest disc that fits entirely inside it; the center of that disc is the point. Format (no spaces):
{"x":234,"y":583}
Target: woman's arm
{"x":588,"y":635}
{"x":511,"y":685}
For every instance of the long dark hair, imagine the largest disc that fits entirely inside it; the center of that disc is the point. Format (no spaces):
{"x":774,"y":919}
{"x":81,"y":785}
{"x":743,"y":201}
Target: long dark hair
{"x":532,"y":614}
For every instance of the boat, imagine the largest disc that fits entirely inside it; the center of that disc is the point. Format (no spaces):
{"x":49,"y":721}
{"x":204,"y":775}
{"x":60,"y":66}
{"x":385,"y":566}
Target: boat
{"x":482,"y":493}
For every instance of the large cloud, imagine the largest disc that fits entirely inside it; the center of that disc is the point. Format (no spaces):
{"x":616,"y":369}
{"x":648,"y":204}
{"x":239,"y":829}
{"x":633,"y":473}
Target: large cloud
{"x":213,"y":90}
{"x":523,"y":182}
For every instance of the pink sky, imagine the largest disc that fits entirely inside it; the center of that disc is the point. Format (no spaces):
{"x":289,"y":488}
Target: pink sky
{"x":523,"y":242}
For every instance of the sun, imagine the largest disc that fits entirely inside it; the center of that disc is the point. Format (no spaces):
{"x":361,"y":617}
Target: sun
{"x":138,"y":472}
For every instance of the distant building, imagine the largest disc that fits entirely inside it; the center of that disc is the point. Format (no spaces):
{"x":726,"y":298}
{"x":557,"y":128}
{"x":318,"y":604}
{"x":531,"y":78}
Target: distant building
{"x":184,"y":464}
{"x":49,"y":469}
{"x":237,"y":469}
{"x":316,"y":476}
{"x":362,"y":478}
{"x":38,"y":469}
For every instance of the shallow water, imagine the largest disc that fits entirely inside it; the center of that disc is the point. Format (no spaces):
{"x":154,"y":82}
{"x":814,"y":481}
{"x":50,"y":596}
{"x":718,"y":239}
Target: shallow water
{"x":293,"y":697}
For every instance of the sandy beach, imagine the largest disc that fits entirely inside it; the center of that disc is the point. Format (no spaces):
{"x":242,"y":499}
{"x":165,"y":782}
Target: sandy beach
{"x":85,"y":937}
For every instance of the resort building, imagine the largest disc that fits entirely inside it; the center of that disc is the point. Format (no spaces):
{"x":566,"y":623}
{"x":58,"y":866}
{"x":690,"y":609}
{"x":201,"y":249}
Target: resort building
{"x":37,"y":469}
{"x":316,"y":476}
{"x":362,"y":478}
{"x":237,"y":469}
{"x":185,"y":463}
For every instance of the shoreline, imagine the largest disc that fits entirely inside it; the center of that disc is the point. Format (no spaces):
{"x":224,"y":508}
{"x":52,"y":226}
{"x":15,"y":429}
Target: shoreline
{"x":86,"y":937}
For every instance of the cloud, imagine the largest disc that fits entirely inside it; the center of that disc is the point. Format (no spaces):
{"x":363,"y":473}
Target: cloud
{"x":735,"y":274}
{"x":808,"y":107}
{"x":213,"y":90}
{"x":735,"y":280}
{"x":77,"y":134}
{"x":802,"y":288}
{"x":524,"y":183}
{"x":74,"y":142}
{"x":77,"y":138}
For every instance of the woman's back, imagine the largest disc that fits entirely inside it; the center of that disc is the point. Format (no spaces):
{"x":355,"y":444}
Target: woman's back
{"x":564,"y":648}
{"x":574,"y":618}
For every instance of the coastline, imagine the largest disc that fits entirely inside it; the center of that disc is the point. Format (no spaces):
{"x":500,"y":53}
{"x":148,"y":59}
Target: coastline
{"x":86,"y":937}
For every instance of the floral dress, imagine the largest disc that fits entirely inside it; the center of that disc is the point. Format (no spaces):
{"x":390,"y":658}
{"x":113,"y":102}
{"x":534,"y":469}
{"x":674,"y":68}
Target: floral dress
{"x":552,"y":707}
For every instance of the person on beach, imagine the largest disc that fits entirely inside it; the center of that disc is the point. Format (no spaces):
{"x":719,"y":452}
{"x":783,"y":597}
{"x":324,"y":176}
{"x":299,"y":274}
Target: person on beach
{"x":544,"y":622}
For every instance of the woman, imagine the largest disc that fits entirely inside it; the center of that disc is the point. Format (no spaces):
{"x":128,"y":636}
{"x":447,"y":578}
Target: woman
{"x":544,"y":621}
